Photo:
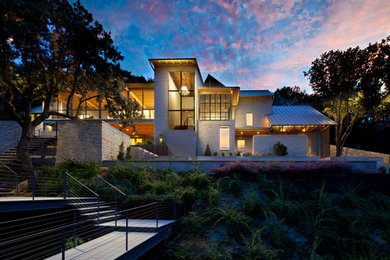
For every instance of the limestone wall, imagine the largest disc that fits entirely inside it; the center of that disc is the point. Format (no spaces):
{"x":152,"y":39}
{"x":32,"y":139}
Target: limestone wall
{"x":296,"y":144}
{"x":209,"y":134}
{"x":111,"y":140}
{"x":79,"y":140}
{"x":352,"y":152}
{"x":89,"y":140}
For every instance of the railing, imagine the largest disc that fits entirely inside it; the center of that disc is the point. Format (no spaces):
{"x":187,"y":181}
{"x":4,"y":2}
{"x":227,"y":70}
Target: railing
{"x":9,"y":179}
{"x":54,"y":232}
{"x":10,"y":139}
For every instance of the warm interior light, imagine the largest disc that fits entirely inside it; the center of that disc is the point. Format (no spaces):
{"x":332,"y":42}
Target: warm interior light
{"x":184,"y":91}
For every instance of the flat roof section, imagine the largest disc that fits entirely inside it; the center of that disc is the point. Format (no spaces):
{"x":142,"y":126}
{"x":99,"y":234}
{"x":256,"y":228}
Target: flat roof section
{"x":297,"y":115}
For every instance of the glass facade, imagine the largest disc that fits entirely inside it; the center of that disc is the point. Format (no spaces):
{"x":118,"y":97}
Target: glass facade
{"x":181,"y":101}
{"x":215,"y":106}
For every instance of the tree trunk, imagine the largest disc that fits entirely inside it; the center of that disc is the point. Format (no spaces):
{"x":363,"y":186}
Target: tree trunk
{"x":22,"y":149}
{"x":339,"y":149}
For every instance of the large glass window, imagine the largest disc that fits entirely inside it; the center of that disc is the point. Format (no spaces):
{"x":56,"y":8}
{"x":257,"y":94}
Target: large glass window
{"x":215,"y":106}
{"x":181,"y":106}
{"x":224,"y":139}
{"x":241,"y":145}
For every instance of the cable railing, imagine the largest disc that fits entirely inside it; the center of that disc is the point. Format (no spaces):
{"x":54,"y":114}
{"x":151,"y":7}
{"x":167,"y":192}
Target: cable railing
{"x":56,"y":232}
{"x":10,"y":139}
{"x":9,"y":180}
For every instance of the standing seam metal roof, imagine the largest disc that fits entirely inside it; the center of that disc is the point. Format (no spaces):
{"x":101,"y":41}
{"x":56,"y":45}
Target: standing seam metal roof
{"x":297,"y":115}
{"x":256,"y":93}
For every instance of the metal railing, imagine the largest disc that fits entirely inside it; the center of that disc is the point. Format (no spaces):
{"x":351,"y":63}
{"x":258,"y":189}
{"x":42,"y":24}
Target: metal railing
{"x":9,"y":179}
{"x":10,"y":139}
{"x":53,"y":233}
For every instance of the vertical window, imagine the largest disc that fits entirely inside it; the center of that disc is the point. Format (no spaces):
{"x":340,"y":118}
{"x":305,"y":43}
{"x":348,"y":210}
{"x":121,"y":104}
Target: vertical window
{"x":181,"y":101}
{"x":241,"y":145}
{"x":249,"y":119}
{"x":224,"y":138}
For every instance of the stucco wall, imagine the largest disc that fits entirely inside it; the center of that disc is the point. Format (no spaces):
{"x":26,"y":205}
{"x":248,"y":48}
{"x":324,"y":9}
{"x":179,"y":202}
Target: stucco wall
{"x":209,"y":134}
{"x":9,"y":134}
{"x":318,"y":143}
{"x":259,"y":106}
{"x":296,"y":144}
{"x":179,"y":142}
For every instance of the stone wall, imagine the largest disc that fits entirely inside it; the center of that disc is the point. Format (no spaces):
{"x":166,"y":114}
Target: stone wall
{"x":352,"y":152}
{"x":111,"y":140}
{"x":79,"y":140}
{"x":296,"y":144}
{"x":209,"y":134}
{"x":9,"y":134}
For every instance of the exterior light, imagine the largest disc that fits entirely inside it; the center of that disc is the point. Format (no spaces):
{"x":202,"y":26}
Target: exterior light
{"x":241,"y":132}
{"x":120,"y":125}
{"x":160,"y":140}
{"x":184,"y":91}
{"x":258,"y":132}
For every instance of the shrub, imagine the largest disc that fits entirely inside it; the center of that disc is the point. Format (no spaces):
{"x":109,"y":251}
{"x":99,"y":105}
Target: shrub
{"x":238,"y":153}
{"x":121,"y":153}
{"x":149,"y":142}
{"x":280,"y":149}
{"x":215,"y":153}
{"x":128,"y":153}
{"x":193,"y":224}
{"x":223,"y":154}
{"x":207,"y":152}
{"x":230,"y":154}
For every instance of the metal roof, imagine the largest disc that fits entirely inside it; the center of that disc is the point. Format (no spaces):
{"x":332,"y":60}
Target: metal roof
{"x":256,"y":93}
{"x":297,"y":115}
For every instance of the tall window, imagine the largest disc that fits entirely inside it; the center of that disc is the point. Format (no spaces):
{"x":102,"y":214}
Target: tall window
{"x":224,"y":138}
{"x":181,"y":102}
{"x":215,"y":106}
{"x":249,"y":119}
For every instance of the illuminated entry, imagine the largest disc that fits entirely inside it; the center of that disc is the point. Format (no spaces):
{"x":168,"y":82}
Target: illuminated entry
{"x":224,"y":138}
{"x":241,"y":145}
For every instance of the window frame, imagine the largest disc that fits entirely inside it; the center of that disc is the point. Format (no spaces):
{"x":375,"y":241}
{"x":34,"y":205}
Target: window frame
{"x":224,"y":148}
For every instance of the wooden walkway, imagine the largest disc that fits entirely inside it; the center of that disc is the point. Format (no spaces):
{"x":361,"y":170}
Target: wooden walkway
{"x":113,"y":244}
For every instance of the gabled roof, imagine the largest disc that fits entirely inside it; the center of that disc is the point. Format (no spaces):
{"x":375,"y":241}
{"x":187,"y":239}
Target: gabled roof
{"x":297,"y":115}
{"x":212,"y":82}
{"x":256,"y":93}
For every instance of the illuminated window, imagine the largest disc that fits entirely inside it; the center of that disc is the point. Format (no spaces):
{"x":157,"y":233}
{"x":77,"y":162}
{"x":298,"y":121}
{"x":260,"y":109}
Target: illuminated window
{"x":249,"y":119}
{"x":224,"y":138}
{"x":241,"y":145}
{"x":215,"y":106}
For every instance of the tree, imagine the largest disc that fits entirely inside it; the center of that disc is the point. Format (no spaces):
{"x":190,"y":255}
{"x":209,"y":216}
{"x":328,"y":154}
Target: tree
{"x":350,"y":83}
{"x":48,"y":48}
{"x":294,"y":96}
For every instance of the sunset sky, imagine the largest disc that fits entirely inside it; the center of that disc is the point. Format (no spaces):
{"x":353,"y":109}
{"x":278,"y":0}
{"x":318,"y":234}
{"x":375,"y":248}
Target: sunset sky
{"x":253,"y":44}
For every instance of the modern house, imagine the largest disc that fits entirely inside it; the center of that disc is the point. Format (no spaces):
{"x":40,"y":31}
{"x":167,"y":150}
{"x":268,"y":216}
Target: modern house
{"x":189,"y":113}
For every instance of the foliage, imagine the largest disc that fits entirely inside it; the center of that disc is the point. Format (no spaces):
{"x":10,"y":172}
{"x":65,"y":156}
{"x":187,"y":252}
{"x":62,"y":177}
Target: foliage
{"x":231,"y":217}
{"x":53,"y":47}
{"x":238,"y":153}
{"x":128,"y":153}
{"x":215,"y":153}
{"x":69,"y":242}
{"x":207,"y":152}
{"x":121,"y":152}
{"x":351,"y":84}
{"x":280,"y":149}
{"x":230,"y":154}
{"x":149,"y":142}
{"x":222,"y":153}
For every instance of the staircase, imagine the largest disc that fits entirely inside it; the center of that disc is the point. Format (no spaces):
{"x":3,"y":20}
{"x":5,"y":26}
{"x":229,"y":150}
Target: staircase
{"x":10,"y":159}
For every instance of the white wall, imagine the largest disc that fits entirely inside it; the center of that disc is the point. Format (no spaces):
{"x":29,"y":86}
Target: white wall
{"x":296,"y":144}
{"x":258,"y":105}
{"x":179,"y":142}
{"x":209,"y":134}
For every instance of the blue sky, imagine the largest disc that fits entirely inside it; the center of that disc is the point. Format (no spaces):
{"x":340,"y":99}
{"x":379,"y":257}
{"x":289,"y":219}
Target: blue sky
{"x":254,"y":44}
